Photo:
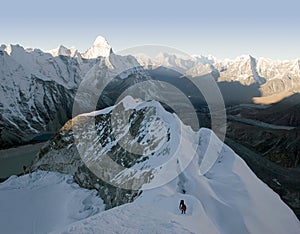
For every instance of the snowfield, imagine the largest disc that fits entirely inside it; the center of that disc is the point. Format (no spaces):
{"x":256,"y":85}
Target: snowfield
{"x":44,"y":201}
{"x":222,"y":194}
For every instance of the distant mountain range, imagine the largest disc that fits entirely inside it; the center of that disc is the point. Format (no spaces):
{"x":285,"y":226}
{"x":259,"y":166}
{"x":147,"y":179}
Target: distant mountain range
{"x":38,"y":88}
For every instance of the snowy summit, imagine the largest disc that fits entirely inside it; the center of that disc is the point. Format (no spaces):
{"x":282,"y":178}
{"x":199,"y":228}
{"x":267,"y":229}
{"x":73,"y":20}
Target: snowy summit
{"x":99,"y":48}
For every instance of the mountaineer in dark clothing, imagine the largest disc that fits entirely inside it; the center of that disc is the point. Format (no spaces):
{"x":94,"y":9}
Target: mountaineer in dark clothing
{"x":182,"y":207}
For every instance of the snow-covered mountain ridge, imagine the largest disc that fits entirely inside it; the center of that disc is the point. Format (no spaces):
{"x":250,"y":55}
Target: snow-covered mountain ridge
{"x":148,"y":135}
{"x":228,"y":198}
{"x":272,"y":76}
{"x":37,"y":88}
{"x":100,"y":48}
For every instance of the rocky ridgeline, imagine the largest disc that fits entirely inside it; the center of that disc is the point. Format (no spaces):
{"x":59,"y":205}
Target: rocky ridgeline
{"x":61,"y":154}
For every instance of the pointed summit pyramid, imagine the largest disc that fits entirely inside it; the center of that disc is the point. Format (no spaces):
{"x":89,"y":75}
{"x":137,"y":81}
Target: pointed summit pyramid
{"x":99,"y":48}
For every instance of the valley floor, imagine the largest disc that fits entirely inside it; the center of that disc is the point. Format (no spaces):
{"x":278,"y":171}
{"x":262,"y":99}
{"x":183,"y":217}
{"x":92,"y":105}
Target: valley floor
{"x":12,"y":160}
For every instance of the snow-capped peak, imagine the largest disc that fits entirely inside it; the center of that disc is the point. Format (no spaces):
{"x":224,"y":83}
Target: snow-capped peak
{"x":99,"y":48}
{"x":209,"y":59}
{"x":7,"y":49}
{"x":100,"y":41}
{"x":62,"y":50}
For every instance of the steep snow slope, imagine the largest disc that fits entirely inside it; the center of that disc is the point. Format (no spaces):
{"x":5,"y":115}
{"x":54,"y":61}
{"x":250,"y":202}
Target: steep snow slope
{"x":221,"y":192}
{"x":44,"y":201}
{"x":227,"y":199}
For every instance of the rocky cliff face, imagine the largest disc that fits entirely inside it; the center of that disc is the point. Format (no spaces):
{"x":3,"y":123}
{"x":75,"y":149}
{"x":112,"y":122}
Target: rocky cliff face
{"x":36,"y":93}
{"x":146,"y":136}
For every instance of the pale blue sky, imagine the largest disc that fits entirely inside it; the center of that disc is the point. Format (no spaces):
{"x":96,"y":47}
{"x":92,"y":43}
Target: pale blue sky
{"x":221,"y":28}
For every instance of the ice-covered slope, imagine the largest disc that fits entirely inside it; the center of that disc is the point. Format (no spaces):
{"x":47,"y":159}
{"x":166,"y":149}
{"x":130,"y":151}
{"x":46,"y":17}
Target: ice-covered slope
{"x":227,"y":199}
{"x":221,"y":192}
{"x":44,"y":201}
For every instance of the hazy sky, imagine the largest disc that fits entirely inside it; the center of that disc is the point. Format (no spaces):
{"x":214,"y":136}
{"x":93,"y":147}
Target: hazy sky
{"x":221,"y":28}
